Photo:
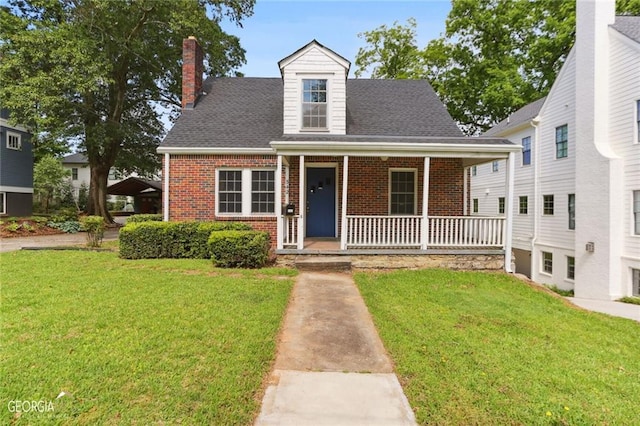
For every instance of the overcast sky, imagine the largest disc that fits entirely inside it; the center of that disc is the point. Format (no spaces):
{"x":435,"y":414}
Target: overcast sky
{"x":279,"y":28}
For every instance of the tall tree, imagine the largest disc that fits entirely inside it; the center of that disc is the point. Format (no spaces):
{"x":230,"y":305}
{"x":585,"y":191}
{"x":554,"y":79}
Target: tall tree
{"x":49,"y":179}
{"x":92,"y":73}
{"x":494,"y":57}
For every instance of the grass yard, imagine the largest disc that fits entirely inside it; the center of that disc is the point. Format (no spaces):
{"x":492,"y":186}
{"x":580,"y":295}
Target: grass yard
{"x":144,"y":342}
{"x":479,"y":348}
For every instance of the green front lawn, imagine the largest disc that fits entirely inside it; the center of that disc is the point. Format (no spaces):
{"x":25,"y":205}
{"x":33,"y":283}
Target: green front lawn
{"x":145,"y":342}
{"x":479,"y":348}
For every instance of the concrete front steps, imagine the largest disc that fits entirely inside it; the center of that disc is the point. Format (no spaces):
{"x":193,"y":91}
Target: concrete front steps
{"x":323,"y":263}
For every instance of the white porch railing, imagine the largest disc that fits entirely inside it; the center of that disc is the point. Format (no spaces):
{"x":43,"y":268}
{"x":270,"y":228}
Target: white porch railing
{"x":290,"y":230}
{"x":383,"y":231}
{"x":466,"y":231}
{"x":406,"y":231}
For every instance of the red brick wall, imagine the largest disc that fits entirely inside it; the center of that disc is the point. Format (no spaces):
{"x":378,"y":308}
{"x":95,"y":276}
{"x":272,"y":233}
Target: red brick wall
{"x":192,"y":186}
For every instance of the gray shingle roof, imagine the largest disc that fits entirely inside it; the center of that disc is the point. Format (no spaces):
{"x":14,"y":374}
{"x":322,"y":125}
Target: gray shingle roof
{"x":629,"y":26}
{"x":75,"y":158}
{"x":247,"y":113}
{"x":523,"y":115}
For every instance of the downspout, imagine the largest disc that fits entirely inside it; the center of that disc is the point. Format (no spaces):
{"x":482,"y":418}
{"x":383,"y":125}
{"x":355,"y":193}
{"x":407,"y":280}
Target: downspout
{"x":166,"y":188}
{"x":535,"y":123}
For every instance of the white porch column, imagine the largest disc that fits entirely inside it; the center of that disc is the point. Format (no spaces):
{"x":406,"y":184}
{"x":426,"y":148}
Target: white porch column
{"x":303,"y":205}
{"x":278,"y":206}
{"x":345,"y":185}
{"x":424,"y":237}
{"x":508,"y":208}
{"x":165,"y":208}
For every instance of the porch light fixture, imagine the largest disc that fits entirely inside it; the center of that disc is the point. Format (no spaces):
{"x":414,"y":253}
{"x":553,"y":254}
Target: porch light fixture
{"x":320,"y":187}
{"x":313,"y":189}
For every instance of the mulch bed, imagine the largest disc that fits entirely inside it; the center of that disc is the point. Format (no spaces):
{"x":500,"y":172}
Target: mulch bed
{"x":31,"y":230}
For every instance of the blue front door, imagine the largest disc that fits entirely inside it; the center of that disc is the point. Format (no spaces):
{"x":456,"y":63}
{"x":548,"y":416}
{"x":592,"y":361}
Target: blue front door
{"x":321,"y":202}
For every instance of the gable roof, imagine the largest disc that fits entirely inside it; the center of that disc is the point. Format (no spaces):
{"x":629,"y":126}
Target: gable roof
{"x":77,"y":158}
{"x":521,"y":116}
{"x":134,"y":186}
{"x":244,"y":112}
{"x":314,"y":43}
{"x":629,"y":26}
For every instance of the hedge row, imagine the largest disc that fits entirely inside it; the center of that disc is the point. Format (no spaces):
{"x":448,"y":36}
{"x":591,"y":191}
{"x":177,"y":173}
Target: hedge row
{"x":144,"y":218}
{"x":151,"y":240}
{"x":239,"y":249}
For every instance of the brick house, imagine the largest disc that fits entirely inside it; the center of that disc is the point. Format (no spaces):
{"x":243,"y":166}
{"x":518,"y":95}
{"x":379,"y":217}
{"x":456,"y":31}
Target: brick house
{"x":366,"y":166}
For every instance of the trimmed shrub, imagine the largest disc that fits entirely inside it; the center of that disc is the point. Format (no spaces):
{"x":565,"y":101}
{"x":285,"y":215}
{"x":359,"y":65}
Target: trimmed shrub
{"x":151,"y":239}
{"x":136,"y":218}
{"x":239,"y":249}
{"x":94,"y":225}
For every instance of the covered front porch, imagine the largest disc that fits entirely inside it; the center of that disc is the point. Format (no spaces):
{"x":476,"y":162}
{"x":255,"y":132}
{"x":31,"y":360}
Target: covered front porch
{"x":395,"y":198}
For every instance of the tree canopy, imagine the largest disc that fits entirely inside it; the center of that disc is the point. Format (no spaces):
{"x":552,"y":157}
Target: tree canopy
{"x":91,"y":73}
{"x":494,"y":57}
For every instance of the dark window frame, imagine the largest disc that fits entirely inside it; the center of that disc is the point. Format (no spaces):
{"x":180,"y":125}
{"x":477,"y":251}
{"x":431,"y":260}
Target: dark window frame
{"x":562,"y":141}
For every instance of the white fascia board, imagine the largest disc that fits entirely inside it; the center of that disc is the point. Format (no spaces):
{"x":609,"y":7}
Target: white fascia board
{"x":17,"y":189}
{"x":624,"y":38}
{"x":5,"y":123}
{"x":218,"y":151}
{"x":333,"y":56}
{"x":374,"y":149}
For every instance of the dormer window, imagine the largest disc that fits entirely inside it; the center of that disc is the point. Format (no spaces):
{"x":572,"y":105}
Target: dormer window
{"x":314,"y":104}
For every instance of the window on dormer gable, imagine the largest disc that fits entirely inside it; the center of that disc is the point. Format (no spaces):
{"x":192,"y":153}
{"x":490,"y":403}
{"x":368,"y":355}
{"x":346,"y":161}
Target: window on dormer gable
{"x":314,"y":104}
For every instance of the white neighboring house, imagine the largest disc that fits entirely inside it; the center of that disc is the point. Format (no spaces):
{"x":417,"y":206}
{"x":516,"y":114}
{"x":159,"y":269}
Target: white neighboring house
{"x":577,"y":186}
{"x":81,"y":173}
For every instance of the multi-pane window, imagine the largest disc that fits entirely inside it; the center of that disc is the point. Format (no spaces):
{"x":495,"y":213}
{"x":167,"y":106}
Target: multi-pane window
{"x":500,"y":204}
{"x":14,"y":141}
{"x":562,"y":141}
{"x":230,"y":191}
{"x":495,"y":166}
{"x":3,"y":203}
{"x":571,"y":267}
{"x":636,"y":212}
{"x":403,"y":192}
{"x":263,"y":195}
{"x":474,"y":170}
{"x":523,"y":203}
{"x":635,"y":282}
{"x":314,"y":104}
{"x":571,"y":204}
{"x":547,"y":262}
{"x":547,"y":204}
{"x":638,"y":121}
{"x":475,"y":205}
{"x":74,"y":173}
{"x":526,"y":151}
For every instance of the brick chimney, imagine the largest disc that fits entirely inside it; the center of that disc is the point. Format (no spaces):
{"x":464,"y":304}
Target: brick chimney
{"x":192,"y":70}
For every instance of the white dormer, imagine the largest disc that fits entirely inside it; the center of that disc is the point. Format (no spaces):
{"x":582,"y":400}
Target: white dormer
{"x":315,"y":96}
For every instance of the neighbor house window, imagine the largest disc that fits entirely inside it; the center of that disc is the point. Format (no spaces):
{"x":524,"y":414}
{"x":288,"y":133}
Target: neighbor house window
{"x":3,"y":203}
{"x":402,"y":194}
{"x":263,"y":191}
{"x":547,"y":204}
{"x":14,"y":141}
{"x":501,"y":205}
{"x":74,"y":173}
{"x":475,"y":205}
{"x":526,"y":151}
{"x":571,"y":267}
{"x":314,"y":104}
{"x":635,"y":282}
{"x":230,"y":191}
{"x":636,"y":212}
{"x":572,"y":210}
{"x":547,"y":262}
{"x":495,"y":166}
{"x":562,"y":141}
{"x":474,"y":170}
{"x":524,"y":204}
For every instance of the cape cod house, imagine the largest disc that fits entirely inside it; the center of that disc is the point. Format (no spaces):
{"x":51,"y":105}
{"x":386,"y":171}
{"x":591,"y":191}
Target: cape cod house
{"x":577,"y":182}
{"x":364,"y":166}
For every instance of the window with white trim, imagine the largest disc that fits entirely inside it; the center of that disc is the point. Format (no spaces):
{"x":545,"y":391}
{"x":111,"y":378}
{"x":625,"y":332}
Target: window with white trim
{"x":547,"y":205}
{"x":636,"y":212}
{"x":501,"y":205}
{"x":402,"y":192}
{"x":635,"y":282}
{"x":475,"y":205}
{"x":571,"y":206}
{"x":523,"y":204}
{"x":571,"y":267}
{"x":74,"y":173}
{"x":245,"y":192}
{"x":14,"y":141}
{"x":562,"y":141}
{"x":526,"y":151}
{"x":314,"y":104}
{"x":547,"y":262}
{"x":474,"y":170}
{"x":3,"y":203}
{"x":495,"y":166}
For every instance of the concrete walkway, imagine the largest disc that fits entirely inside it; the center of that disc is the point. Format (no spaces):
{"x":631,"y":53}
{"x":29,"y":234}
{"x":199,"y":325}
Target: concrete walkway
{"x":331,"y":367}
{"x":610,"y":307}
{"x":57,"y":240}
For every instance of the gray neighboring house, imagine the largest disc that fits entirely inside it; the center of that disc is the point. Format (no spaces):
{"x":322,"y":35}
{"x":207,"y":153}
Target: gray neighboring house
{"x":16,"y":168}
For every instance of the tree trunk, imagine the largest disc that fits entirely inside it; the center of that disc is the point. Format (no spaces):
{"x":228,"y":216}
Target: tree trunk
{"x":98,"y":193}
